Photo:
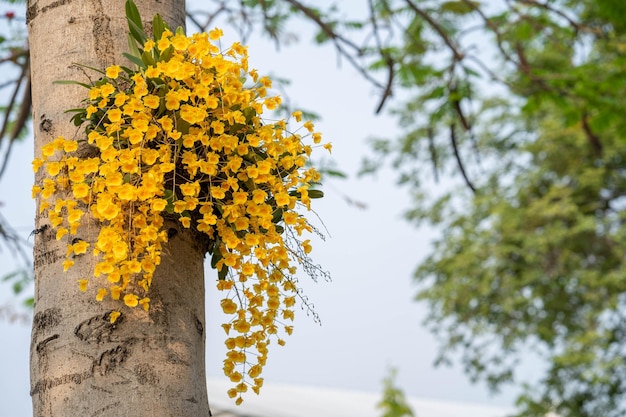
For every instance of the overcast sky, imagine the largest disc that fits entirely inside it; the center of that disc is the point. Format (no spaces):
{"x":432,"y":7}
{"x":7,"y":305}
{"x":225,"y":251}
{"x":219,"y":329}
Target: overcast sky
{"x":369,"y":319}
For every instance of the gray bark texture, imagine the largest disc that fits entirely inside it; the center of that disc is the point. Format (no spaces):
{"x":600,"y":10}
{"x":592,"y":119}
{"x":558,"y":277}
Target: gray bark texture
{"x":147,"y":363}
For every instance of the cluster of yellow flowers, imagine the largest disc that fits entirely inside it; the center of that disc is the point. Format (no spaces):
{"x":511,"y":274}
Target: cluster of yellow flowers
{"x":182,"y":138}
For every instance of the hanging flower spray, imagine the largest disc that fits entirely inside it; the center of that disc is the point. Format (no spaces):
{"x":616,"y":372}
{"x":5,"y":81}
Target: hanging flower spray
{"x":182,"y":137}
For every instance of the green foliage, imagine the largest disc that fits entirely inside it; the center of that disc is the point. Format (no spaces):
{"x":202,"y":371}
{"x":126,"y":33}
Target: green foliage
{"x":20,"y":279}
{"x":393,"y":403}
{"x":531,"y":254}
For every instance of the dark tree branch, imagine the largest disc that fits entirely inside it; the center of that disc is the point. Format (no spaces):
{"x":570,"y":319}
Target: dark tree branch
{"x":593,"y":139}
{"x":458,"y":158}
{"x":456,"y":52}
{"x":12,"y":100}
{"x":338,"y":41}
{"x":388,"y":59}
{"x":19,"y":124}
{"x":433,"y":152}
{"x":577,"y":26}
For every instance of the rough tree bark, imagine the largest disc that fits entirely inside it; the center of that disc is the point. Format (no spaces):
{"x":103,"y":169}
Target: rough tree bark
{"x":147,"y":363}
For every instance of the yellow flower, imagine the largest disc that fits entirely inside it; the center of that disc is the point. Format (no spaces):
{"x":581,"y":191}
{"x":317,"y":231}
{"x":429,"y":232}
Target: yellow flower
{"x":241,"y":223}
{"x":82,"y":284}
{"x":241,"y":326}
{"x":106,"y":90}
{"x":282,"y":199}
{"x":53,"y":168}
{"x":120,"y":98}
{"x":149,"y":45}
{"x":149,"y":156}
{"x":215,"y":34}
{"x":148,"y":266}
{"x":80,"y":190}
{"x":185,"y":221}
{"x":113,"y":316}
{"x":180,"y":42}
{"x":151,"y":101}
{"x":254,"y":371}
{"x":113,"y":71}
{"x":228,"y":306}
{"x":116,"y":291}
{"x":114,"y":115}
{"x":94,"y":93}
{"x":218,"y":193}
{"x":290,"y":217}
{"x":131,"y":300}
{"x":62,"y":231}
{"x":37,"y":163}
{"x":127,"y":192}
{"x":247,"y":269}
{"x":70,"y":146}
{"x":102,"y":292}
{"x":74,"y":215}
{"x":158,"y":204}
{"x":190,"y":189}
{"x":48,"y":150}
{"x":171,"y":100}
{"x":91,"y":110}
{"x":120,"y":250}
{"x":114,"y":277}
{"x":180,"y":206}
{"x":80,"y":247}
{"x":145,"y":303}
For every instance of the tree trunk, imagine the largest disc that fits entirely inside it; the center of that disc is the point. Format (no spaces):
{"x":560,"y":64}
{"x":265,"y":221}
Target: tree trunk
{"x":147,"y":363}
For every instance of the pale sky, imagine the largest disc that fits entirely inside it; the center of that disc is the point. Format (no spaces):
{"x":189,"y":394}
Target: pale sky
{"x":369,"y":319}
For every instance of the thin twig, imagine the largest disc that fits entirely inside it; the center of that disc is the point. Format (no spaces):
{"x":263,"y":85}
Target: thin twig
{"x":388,"y":60}
{"x":458,"y":158}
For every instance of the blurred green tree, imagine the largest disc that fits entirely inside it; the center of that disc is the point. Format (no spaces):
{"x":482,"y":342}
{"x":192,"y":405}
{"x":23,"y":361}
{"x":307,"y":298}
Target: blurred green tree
{"x":393,"y":403}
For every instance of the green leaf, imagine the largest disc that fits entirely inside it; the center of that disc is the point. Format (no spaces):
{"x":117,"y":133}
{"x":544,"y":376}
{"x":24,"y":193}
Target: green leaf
{"x":158,"y":27}
{"x":137,"y":32}
{"x":334,"y":173}
{"x":167,"y":54}
{"x":135,"y":60}
{"x":171,"y":198}
{"x":11,"y":275}
{"x":458,"y":7}
{"x":77,"y":110}
{"x":68,"y":82}
{"x":135,"y":25}
{"x":78,"y":119}
{"x":221,"y":275}
{"x":147,"y":58}
{"x":277,"y":215}
{"x":132,"y":47}
{"x":316,"y":194}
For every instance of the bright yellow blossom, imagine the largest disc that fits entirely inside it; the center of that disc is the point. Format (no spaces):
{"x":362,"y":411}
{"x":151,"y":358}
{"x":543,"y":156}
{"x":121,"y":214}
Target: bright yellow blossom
{"x":186,"y":138}
{"x":114,"y":316}
{"x":131,"y":300}
{"x":113,"y":71}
